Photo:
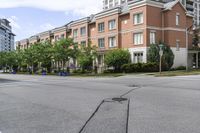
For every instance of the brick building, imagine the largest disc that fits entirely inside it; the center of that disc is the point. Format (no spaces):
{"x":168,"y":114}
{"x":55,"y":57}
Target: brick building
{"x":133,"y":26}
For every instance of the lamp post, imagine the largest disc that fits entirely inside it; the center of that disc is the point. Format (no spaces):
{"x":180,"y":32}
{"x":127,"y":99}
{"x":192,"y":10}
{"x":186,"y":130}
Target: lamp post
{"x":187,"y":44}
{"x":161,"y":54}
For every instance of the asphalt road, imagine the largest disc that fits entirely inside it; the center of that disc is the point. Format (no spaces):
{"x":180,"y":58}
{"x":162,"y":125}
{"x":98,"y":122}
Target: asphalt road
{"x":36,"y":104}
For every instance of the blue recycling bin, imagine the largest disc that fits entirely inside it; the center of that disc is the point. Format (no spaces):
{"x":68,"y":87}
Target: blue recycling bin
{"x":44,"y":73}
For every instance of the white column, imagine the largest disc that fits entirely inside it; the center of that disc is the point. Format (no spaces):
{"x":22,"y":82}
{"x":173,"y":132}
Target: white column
{"x":103,"y":60}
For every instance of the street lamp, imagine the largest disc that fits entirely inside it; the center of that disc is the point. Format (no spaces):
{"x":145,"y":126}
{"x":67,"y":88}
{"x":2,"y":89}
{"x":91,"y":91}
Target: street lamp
{"x":187,"y":45}
{"x":161,"y":54}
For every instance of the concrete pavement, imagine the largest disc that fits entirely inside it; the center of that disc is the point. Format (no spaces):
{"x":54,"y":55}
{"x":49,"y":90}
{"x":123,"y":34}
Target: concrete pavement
{"x":51,"y":104}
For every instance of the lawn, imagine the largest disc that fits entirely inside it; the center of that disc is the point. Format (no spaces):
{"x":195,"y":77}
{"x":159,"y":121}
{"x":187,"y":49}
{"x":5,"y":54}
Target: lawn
{"x":176,"y":73}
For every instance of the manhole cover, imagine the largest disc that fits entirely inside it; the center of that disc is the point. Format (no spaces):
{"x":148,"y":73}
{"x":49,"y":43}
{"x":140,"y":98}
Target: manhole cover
{"x":119,"y":99}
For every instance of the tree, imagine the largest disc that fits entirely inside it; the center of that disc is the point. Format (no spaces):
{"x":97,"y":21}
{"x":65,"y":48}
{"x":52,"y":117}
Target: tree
{"x":63,"y":51}
{"x":167,"y":58}
{"x":3,"y":60}
{"x":86,"y":56}
{"x":116,"y":58}
{"x":31,"y":57}
{"x":45,"y":52}
{"x":195,"y":40}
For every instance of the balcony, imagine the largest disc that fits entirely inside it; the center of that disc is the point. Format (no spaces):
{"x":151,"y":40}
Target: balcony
{"x":189,"y":6}
{"x":190,"y":2}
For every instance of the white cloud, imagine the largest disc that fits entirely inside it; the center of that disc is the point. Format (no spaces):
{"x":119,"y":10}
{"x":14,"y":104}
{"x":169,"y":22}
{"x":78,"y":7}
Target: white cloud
{"x":46,"y":26}
{"x":14,"y":22}
{"x":80,"y":7}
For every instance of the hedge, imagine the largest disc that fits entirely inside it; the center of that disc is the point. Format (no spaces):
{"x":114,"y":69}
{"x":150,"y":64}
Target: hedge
{"x":140,"y":67}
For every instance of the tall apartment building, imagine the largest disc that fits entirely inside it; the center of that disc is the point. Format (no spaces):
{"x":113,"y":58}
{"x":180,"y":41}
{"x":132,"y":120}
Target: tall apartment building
{"x":113,"y":3}
{"x":196,"y":6}
{"x":135,"y":26}
{"x":6,"y":36}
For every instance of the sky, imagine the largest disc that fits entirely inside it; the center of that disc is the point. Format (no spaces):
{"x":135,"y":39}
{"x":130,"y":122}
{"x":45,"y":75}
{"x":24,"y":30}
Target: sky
{"x":29,"y":17}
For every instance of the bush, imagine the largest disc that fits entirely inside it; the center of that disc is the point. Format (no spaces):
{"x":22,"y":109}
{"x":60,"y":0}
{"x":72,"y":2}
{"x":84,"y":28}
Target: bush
{"x":178,"y":68}
{"x":140,"y":67}
{"x":116,"y":58}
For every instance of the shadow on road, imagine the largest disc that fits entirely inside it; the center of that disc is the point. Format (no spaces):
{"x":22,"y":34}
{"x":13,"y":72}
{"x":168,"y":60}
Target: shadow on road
{"x":7,"y":81}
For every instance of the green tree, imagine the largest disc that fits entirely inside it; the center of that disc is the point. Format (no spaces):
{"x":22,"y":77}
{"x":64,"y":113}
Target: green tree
{"x":63,"y":51}
{"x":167,"y":58}
{"x":11,"y":60}
{"x":195,"y":40}
{"x":3,"y":59}
{"x":116,"y":58}
{"x":45,"y":54}
{"x":86,"y":56}
{"x":31,"y":57}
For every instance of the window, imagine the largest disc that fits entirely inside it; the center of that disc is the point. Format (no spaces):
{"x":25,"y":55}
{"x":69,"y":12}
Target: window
{"x":62,"y":36}
{"x":123,"y":1}
{"x":83,"y":43}
{"x":116,"y":2}
{"x":152,"y":37}
{"x":110,"y":3}
{"x":138,"y":38}
{"x":177,"y":45}
{"x":177,"y":18}
{"x":101,"y":27}
{"x":111,"y":24}
{"x":112,"y":42}
{"x":106,"y":2}
{"x":101,"y":42}
{"x":56,"y":38}
{"x":75,"y":33}
{"x":138,"y":57}
{"x":83,"y":31}
{"x":138,"y":18}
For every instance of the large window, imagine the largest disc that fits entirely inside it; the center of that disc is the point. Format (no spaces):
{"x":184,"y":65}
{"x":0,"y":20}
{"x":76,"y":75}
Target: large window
{"x":101,"y":42}
{"x":112,"y":42}
{"x":138,"y":38}
{"x":138,"y":18}
{"x":101,"y":27}
{"x":138,"y":57}
{"x":112,"y":24}
{"x":152,"y":37}
{"x":75,"y":33}
{"x":177,"y":18}
{"x":83,"y":31}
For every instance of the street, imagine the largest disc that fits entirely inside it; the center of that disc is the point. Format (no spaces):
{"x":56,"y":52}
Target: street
{"x":51,"y":104}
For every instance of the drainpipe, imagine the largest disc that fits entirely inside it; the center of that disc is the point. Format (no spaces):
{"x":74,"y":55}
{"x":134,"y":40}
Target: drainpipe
{"x":186,"y":37}
{"x":163,"y":36}
{"x":197,"y":60}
